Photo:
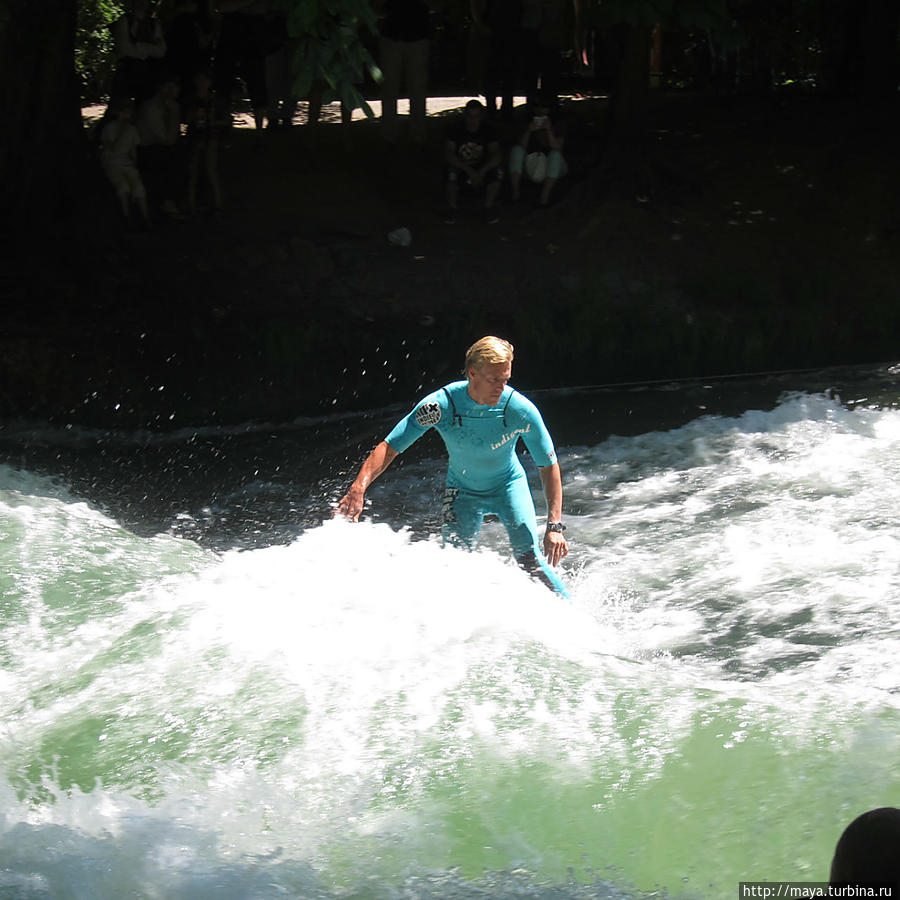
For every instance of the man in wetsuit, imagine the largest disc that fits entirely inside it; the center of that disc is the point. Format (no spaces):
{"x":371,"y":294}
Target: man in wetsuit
{"x":481,"y":420}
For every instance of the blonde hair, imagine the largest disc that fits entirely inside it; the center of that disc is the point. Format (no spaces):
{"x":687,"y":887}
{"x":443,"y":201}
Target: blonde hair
{"x":487,"y":351}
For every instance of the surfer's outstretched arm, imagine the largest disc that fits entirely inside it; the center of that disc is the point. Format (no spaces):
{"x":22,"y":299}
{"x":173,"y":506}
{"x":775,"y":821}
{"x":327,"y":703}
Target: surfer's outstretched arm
{"x":376,"y":462}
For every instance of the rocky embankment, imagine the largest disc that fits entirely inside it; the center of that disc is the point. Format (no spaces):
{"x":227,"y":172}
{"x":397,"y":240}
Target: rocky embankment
{"x":743,"y":240}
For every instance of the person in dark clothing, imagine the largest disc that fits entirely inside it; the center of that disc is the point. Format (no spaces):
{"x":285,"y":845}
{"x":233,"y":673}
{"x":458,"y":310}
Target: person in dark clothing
{"x":189,"y":38}
{"x":472,"y":159}
{"x":205,"y":120}
{"x":140,"y":48}
{"x":502,"y":19}
{"x":158,"y":124}
{"x":404,"y":48}
{"x":241,"y":52}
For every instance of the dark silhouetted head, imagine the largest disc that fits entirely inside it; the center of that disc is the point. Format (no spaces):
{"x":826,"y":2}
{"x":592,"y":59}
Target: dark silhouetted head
{"x":869,"y":849}
{"x":473,"y":114}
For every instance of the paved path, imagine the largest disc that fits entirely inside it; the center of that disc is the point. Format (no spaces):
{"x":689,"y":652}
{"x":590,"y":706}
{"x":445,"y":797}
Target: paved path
{"x":331,"y":112}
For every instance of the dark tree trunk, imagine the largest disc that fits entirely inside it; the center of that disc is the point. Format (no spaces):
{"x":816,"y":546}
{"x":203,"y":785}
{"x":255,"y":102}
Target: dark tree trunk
{"x":840,"y":25}
{"x":859,"y":39}
{"x":879,"y":48}
{"x":629,"y":55}
{"x":42,"y":143}
{"x":756,"y":61}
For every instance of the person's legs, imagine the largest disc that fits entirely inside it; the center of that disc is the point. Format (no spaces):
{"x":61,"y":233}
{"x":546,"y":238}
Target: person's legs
{"x":516,"y":511}
{"x":288,"y":110}
{"x":167,"y":166}
{"x":556,"y":168}
{"x":556,"y":164}
{"x":508,"y":68}
{"x":212,"y":173}
{"x":493,"y":83}
{"x":314,"y":107}
{"x":138,"y":192}
{"x":274,"y":82}
{"x":280,"y":102}
{"x":491,"y":191}
{"x":462,"y":517}
{"x":416,"y":73}
{"x":494,"y":180}
{"x":258,"y":100}
{"x":451,"y":182}
{"x":516,"y":163}
{"x":120,"y":185}
{"x":391,"y":63}
{"x":197,"y":151}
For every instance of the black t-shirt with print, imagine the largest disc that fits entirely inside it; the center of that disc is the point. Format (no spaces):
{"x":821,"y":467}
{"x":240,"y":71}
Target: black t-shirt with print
{"x":471,"y":146}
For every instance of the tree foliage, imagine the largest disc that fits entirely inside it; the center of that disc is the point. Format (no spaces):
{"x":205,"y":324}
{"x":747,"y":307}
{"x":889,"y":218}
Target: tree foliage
{"x":713,"y":16}
{"x":832,"y":46}
{"x":94,"y":46}
{"x":328,"y":40}
{"x":329,"y":48}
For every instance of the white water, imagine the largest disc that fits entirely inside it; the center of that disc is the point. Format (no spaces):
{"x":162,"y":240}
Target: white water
{"x":359,"y":713}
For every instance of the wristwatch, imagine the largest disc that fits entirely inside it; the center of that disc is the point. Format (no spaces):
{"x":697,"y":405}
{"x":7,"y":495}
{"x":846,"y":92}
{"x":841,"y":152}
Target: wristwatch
{"x":556,"y":526}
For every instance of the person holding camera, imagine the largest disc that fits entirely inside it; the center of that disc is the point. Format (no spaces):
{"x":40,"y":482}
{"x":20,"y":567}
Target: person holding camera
{"x":539,"y":152}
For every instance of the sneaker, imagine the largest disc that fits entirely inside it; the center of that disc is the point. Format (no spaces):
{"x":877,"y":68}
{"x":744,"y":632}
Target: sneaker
{"x":491,"y":215}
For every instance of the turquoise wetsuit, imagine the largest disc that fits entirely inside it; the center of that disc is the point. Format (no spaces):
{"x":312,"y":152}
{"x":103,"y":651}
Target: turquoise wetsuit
{"x":485,"y":475}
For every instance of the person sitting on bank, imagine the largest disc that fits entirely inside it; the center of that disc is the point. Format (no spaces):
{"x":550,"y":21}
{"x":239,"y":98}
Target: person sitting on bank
{"x":160,"y":129}
{"x":539,"y":152}
{"x":481,"y":420}
{"x":473,"y":160}
{"x":119,"y":140}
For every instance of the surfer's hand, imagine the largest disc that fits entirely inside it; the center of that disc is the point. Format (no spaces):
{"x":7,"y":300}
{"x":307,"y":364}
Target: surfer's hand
{"x":555,"y":547}
{"x":351,"y":504}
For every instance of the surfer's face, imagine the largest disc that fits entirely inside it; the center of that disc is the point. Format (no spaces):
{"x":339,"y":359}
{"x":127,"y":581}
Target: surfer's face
{"x":486,"y":382}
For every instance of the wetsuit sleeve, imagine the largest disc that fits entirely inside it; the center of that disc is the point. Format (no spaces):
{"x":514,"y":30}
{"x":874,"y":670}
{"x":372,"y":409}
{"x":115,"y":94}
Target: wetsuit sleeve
{"x":426,"y":414}
{"x":537,"y":438}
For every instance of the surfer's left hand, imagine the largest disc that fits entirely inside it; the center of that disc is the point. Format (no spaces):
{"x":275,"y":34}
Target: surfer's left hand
{"x":555,"y":547}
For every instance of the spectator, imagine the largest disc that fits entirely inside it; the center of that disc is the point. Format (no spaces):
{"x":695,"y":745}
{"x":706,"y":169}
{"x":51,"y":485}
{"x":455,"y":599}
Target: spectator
{"x":282,"y":104}
{"x":139,"y":48}
{"x":502,"y":21}
{"x":119,"y":141}
{"x":189,"y":39}
{"x":539,"y":151}
{"x":241,"y":52}
{"x":159,"y":125}
{"x":473,"y":160}
{"x":205,"y":118}
{"x":543,"y":38}
{"x":404,"y":50}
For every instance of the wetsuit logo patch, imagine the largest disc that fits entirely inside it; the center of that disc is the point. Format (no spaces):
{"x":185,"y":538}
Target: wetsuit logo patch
{"x":428,"y":414}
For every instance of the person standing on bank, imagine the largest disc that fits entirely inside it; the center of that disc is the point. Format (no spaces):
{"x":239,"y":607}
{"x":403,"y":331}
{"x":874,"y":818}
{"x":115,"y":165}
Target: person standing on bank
{"x":481,"y":420}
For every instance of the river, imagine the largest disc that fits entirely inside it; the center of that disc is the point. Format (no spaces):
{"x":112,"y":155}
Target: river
{"x":210,"y":689}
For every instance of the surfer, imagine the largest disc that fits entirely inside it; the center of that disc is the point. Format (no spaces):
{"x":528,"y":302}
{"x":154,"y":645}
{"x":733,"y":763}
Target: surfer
{"x":481,"y":420}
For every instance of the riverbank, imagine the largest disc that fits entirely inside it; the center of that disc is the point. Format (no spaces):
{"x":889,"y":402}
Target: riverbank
{"x":745,"y":237}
